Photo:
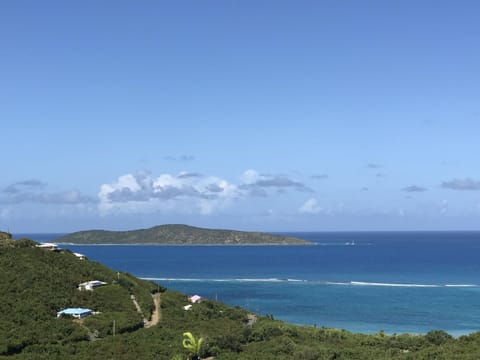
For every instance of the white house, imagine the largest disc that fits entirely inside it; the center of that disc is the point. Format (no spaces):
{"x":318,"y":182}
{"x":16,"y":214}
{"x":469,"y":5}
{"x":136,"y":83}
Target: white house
{"x":80,"y":256}
{"x":48,"y":246}
{"x":187,"y":307}
{"x":90,"y":285}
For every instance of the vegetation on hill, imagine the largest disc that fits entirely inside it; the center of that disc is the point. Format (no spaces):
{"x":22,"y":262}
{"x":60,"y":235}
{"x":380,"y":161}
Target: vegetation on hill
{"x":179,"y":235}
{"x":5,"y":239}
{"x":36,"y":283}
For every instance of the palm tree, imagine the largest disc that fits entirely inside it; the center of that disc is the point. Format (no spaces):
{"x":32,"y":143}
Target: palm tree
{"x":193,"y":345}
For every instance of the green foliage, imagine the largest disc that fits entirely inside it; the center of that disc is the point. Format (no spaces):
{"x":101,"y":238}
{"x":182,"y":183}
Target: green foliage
{"x":36,"y":283}
{"x":178,"y":235}
{"x":24,"y":243}
{"x":103,"y":324}
{"x":5,"y":235}
{"x":192,"y":345}
{"x":437,"y":337}
{"x":5,"y":239}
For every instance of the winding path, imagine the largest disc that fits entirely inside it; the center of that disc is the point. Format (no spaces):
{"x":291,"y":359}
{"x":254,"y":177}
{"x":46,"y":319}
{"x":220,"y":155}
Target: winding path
{"x":157,"y":312}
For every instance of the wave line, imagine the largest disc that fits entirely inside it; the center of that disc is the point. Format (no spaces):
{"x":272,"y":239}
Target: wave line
{"x":318,"y":282}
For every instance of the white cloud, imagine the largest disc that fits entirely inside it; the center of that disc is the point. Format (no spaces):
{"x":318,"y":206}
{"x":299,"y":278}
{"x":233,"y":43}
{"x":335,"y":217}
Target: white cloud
{"x":310,"y":206}
{"x":169,"y":193}
{"x":35,"y":192}
{"x":250,"y":176}
{"x":187,"y":193}
{"x":255,"y":184}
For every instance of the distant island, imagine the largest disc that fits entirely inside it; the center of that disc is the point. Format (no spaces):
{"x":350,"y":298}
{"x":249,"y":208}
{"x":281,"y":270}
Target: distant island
{"x":178,"y":235}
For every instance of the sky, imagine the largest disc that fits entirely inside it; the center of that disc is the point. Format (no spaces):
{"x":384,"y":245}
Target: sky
{"x":251,"y":115}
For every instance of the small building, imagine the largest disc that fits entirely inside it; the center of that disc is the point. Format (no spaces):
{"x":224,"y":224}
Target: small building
{"x":80,"y":256}
{"x":78,"y":313}
{"x":90,"y":285}
{"x":187,"y":307}
{"x":48,"y":246}
{"x":195,"y":299}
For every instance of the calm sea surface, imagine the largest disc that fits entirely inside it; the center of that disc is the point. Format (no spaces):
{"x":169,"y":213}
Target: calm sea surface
{"x":359,"y":281}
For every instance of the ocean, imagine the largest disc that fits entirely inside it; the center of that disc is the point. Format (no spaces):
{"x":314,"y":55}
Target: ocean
{"x":398,"y":282}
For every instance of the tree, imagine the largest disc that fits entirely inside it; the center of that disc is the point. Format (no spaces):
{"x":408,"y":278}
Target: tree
{"x":192,"y":345}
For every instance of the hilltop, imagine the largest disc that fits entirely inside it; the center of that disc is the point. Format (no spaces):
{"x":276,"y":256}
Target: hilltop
{"x":179,"y":235}
{"x":36,"y":283}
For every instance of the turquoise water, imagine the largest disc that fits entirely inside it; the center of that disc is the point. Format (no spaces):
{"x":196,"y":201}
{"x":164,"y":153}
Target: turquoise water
{"x":367,"y":282}
{"x":355,"y":308}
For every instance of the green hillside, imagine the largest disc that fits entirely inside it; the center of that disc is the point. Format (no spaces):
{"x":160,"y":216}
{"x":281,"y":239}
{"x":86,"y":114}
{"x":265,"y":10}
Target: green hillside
{"x":36,"y":283}
{"x":179,"y":235}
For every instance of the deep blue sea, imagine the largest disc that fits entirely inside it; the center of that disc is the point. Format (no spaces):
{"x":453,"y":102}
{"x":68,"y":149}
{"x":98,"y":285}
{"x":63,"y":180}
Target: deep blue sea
{"x":359,"y":281}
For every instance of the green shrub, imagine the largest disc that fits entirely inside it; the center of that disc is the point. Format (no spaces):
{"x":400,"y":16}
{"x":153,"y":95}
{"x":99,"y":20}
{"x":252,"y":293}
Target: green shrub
{"x":437,"y":337}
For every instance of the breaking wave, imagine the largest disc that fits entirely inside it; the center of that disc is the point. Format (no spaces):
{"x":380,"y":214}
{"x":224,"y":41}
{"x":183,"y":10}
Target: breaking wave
{"x":304,"y":281}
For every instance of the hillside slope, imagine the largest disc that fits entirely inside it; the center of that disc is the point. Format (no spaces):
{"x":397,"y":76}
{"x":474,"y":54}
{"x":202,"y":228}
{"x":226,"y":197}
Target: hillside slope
{"x":36,"y":283}
{"x":179,"y":235}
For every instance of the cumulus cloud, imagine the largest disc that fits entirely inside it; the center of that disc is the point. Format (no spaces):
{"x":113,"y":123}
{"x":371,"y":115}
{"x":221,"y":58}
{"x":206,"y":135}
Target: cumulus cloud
{"x":256,"y":184}
{"x":33,"y":191}
{"x":250,"y":176}
{"x":414,"y":188}
{"x":214,"y":188}
{"x":142,"y":192}
{"x":310,"y":206}
{"x":461,"y":184}
{"x":188,"y":192}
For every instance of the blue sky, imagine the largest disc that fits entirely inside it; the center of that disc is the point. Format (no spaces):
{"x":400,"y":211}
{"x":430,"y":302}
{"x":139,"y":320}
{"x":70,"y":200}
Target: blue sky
{"x":254,"y":115}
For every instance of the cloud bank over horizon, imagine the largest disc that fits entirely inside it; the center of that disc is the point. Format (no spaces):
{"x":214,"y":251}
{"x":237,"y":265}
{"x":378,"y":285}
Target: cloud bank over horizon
{"x":466,"y":184}
{"x":35,"y":191}
{"x":252,"y":197}
{"x":188,"y":192}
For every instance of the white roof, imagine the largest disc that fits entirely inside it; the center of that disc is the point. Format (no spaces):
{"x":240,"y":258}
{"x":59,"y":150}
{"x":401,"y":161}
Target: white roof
{"x":93,"y":282}
{"x":45,"y":245}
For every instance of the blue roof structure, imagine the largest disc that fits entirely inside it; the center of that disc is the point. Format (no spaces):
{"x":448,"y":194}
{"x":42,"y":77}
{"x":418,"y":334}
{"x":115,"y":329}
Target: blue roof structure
{"x":75,"y":312}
